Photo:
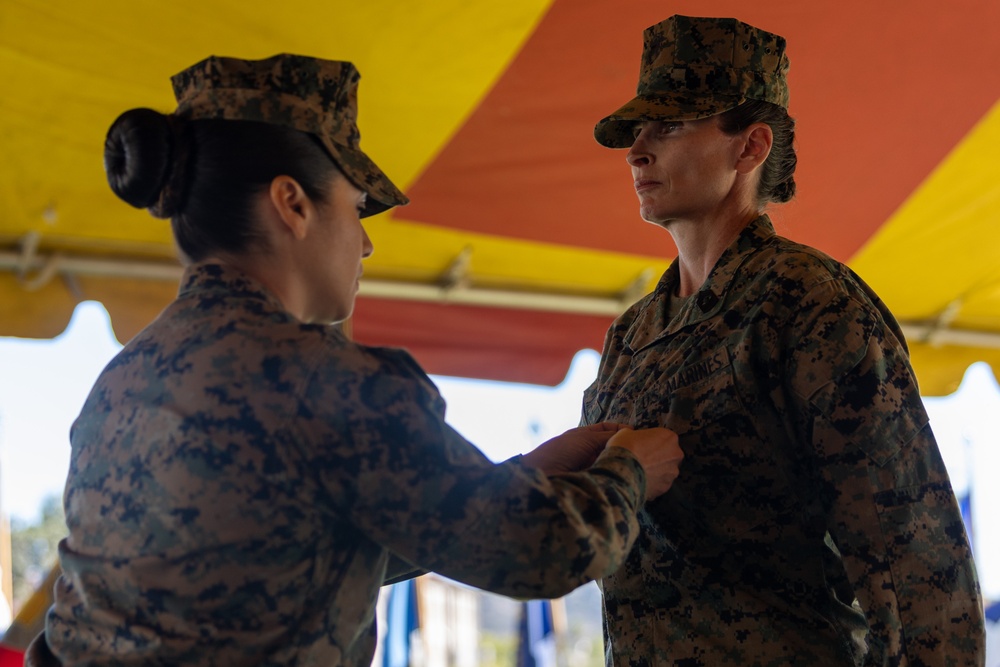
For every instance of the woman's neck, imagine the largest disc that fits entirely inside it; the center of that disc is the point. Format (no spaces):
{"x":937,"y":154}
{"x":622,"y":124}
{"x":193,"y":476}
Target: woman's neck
{"x":700,"y":245}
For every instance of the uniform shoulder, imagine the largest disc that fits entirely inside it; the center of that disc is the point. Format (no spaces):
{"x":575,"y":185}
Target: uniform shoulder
{"x":794,"y":255}
{"x":359,"y":359}
{"x":381,"y":378}
{"x":800,"y":264}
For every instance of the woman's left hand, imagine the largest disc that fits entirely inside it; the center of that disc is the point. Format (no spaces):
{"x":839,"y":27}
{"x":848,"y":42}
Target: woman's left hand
{"x":574,"y":450}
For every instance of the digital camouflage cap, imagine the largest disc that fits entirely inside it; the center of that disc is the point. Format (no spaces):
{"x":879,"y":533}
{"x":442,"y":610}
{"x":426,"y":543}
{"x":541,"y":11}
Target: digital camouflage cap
{"x":308,"y":94}
{"x":695,"y":67}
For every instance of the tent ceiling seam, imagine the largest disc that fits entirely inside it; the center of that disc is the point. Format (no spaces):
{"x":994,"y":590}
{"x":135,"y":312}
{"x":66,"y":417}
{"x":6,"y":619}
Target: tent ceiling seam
{"x":454,"y":288}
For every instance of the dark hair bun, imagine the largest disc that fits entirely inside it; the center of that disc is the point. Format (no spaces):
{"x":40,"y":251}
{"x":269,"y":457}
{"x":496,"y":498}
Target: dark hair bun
{"x":783,"y":192}
{"x":137,"y":154}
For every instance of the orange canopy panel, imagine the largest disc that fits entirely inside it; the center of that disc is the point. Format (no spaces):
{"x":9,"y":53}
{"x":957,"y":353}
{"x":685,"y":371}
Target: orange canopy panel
{"x":523,"y":239}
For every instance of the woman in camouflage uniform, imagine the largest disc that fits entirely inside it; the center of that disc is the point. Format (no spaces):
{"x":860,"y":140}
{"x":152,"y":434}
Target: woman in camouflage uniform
{"x":243,"y":477}
{"x":815,"y":523}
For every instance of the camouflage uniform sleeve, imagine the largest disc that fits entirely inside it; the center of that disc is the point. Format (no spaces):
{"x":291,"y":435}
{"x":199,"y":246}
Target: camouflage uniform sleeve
{"x":887,"y":499}
{"x":390,"y":463}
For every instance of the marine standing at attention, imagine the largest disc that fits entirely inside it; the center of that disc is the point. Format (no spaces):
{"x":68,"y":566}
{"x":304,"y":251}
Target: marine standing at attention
{"x":815,"y":523}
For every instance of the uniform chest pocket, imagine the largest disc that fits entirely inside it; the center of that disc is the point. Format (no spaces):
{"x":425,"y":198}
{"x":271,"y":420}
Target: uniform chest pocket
{"x":730,"y":481}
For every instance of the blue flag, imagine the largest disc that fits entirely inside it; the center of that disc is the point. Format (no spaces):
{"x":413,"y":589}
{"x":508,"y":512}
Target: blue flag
{"x":401,"y":621}
{"x":536,"y":635}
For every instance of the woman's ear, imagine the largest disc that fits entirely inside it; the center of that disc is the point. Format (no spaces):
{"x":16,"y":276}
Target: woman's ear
{"x":757,"y":140}
{"x":292,"y":205}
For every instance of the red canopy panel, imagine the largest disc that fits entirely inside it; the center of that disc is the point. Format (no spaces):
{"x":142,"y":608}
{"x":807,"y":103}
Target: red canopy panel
{"x":526,"y":345}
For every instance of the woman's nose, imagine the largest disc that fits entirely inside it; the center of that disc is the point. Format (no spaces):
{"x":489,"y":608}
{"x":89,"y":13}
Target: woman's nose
{"x":638,"y":154}
{"x":366,"y":245}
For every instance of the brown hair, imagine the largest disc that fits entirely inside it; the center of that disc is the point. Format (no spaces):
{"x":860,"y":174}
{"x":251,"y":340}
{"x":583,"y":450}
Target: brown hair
{"x":776,"y":177}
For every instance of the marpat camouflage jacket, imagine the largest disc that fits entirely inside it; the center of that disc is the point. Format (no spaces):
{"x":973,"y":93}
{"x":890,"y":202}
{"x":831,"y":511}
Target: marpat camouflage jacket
{"x":813,"y":522}
{"x":240,"y":482}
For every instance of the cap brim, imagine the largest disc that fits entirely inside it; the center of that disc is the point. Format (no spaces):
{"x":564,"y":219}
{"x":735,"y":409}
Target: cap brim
{"x":616,"y":130}
{"x":365,"y":174}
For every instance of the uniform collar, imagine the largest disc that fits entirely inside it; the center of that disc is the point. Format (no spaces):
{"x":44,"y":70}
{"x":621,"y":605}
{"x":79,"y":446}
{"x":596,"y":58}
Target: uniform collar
{"x":213,"y":278}
{"x":655,"y":321}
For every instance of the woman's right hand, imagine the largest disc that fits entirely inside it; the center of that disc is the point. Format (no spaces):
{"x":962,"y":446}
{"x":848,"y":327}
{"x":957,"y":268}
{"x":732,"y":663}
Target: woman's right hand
{"x":659,"y":453}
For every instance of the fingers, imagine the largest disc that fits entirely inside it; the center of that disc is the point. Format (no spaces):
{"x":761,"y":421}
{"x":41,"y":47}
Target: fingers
{"x":658,"y":451}
{"x":606,"y":426}
{"x":574,"y":450}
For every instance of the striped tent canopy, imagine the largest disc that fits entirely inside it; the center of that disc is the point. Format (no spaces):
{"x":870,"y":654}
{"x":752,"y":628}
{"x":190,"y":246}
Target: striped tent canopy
{"x":523,"y":239}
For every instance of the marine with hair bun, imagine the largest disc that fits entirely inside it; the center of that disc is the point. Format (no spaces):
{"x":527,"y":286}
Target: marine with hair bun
{"x":244,"y":478}
{"x":815,"y":523}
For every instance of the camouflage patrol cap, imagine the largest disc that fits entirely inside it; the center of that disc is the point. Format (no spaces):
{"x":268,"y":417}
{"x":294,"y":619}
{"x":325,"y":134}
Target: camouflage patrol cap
{"x":696,"y":67}
{"x":308,"y":94}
